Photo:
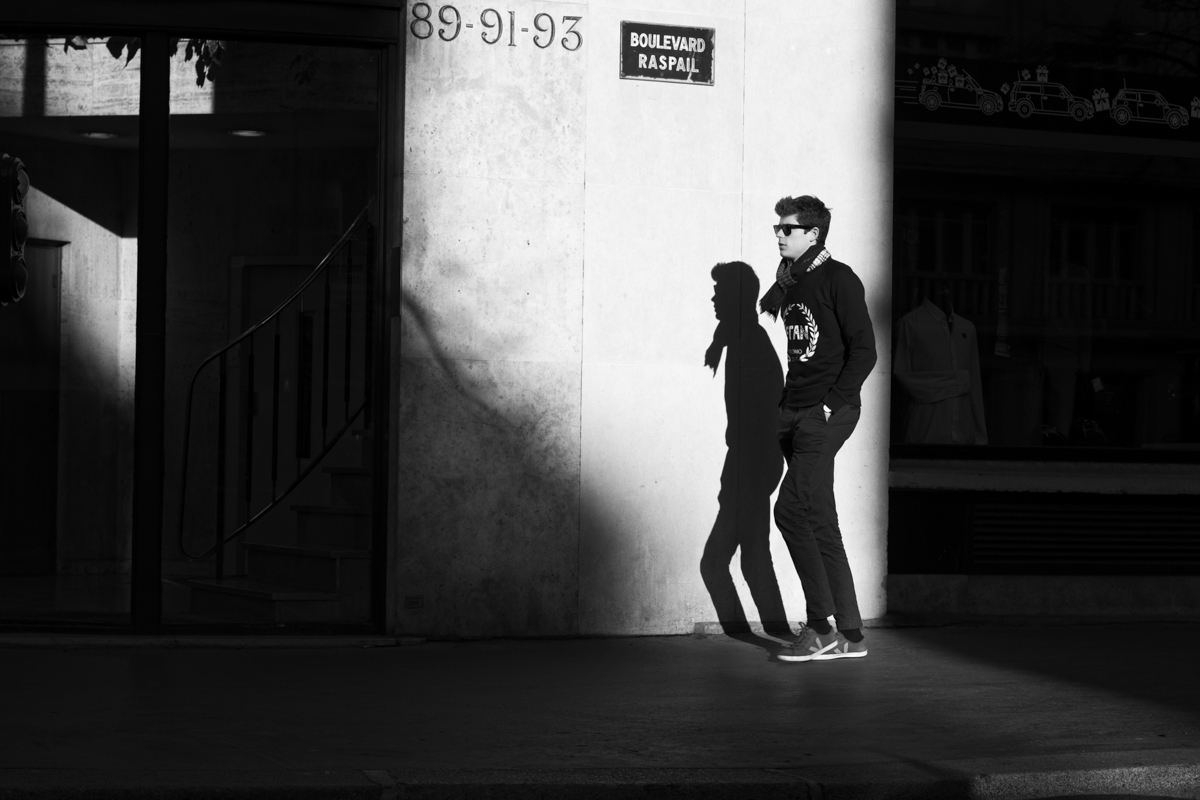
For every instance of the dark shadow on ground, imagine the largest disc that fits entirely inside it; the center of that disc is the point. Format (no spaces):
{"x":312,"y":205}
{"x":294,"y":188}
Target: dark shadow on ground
{"x":753,"y":464}
{"x":1159,"y":669}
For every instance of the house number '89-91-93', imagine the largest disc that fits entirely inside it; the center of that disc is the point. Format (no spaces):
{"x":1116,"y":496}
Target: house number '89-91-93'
{"x":493,"y":23}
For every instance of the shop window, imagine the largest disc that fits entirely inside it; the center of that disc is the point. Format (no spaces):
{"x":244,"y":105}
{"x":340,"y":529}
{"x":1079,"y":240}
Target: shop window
{"x":1094,"y":270}
{"x":1022,"y":323}
{"x":949,"y":246}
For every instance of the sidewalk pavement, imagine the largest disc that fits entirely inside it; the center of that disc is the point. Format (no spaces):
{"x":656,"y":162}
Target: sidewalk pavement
{"x":959,"y":711}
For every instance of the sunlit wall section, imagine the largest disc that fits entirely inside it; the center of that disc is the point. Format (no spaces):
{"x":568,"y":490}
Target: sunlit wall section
{"x":664,"y":184}
{"x":819,"y":121}
{"x":680,"y":389}
{"x":585,"y":420}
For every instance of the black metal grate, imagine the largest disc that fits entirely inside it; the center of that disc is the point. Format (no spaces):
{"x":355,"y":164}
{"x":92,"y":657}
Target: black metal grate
{"x":1100,"y":537}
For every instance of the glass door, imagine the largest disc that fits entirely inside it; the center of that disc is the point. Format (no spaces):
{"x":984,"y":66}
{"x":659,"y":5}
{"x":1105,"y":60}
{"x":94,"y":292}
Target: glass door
{"x":274,"y":164}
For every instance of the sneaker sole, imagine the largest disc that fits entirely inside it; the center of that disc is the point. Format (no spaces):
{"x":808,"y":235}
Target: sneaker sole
{"x":832,"y":656}
{"x":820,"y":654}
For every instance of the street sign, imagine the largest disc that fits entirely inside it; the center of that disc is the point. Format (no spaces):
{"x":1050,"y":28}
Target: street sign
{"x":672,"y":53}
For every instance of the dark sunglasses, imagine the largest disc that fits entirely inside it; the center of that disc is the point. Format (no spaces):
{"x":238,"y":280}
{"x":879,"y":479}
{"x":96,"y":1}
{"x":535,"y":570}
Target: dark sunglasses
{"x":788,"y":227}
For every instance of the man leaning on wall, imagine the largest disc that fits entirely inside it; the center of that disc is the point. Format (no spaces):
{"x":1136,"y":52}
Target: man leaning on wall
{"x":830,"y":351}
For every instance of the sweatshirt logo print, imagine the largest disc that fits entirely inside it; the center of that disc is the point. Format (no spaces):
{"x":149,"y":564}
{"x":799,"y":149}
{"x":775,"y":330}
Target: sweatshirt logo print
{"x":802,"y":339}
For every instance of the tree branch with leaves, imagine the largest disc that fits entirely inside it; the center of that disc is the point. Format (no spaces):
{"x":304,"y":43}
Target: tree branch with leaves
{"x":207,"y":52}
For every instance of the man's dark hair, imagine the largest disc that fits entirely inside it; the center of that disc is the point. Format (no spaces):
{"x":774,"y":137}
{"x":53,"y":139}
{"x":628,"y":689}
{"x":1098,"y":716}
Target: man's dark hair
{"x":809,"y":211}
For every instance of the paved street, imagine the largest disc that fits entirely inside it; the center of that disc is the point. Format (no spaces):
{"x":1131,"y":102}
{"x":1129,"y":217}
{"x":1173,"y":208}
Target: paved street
{"x":937,"y":708}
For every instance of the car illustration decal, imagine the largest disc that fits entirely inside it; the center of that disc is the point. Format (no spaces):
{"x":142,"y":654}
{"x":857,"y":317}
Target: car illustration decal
{"x":1026,"y":97}
{"x":947,"y":87}
{"x":1146,"y":105}
{"x":944,"y":91}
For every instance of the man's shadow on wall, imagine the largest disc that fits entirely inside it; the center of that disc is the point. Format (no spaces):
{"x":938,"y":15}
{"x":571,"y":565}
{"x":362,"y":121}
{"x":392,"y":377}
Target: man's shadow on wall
{"x":753,"y":462}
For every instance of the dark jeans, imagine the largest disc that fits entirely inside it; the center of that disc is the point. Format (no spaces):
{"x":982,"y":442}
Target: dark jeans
{"x":807,"y":514}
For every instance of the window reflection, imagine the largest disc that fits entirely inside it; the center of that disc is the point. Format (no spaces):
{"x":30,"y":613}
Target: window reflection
{"x":1082,"y":313}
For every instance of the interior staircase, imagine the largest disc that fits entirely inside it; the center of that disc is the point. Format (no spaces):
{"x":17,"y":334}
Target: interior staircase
{"x":275,"y":439}
{"x":323,"y":574}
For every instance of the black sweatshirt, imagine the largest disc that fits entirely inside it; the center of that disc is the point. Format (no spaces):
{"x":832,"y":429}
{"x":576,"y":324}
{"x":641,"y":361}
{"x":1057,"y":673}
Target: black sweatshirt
{"x":831,"y":344}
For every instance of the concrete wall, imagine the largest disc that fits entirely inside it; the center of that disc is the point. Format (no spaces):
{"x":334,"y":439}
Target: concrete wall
{"x":561,"y":445}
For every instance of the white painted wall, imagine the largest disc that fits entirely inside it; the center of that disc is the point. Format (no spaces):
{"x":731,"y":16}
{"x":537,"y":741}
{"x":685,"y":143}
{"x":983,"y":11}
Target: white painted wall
{"x":560,"y":440}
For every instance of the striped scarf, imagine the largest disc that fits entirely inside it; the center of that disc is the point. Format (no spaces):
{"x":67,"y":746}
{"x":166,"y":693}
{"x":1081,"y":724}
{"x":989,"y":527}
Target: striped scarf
{"x":787,"y":276}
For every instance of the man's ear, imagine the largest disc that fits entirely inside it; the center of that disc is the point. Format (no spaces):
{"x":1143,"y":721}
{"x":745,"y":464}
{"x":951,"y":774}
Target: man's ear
{"x":816,"y":232}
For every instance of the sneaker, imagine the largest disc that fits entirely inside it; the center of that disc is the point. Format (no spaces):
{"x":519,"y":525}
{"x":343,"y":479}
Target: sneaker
{"x":842,"y":648}
{"x":810,"y":645}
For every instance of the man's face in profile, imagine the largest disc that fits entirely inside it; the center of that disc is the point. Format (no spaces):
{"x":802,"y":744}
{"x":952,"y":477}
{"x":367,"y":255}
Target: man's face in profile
{"x":794,"y":241}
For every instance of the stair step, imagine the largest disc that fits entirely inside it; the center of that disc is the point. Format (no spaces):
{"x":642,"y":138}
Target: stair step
{"x":246,"y":600}
{"x":245,"y":587}
{"x":306,"y":568}
{"x":349,"y":486}
{"x":337,"y":527}
{"x":353,"y":511}
{"x":176,"y":598}
{"x":315,"y":552}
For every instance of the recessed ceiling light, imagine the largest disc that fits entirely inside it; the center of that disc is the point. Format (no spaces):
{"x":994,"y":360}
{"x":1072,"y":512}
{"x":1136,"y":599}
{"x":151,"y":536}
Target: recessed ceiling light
{"x":248,"y":134}
{"x":98,"y":135}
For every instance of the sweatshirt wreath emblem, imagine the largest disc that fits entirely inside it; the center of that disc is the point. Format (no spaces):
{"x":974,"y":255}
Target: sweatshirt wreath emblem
{"x":808,"y":332}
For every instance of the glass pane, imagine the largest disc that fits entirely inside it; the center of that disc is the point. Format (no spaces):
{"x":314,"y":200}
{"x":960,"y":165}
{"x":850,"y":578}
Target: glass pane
{"x":273,"y":158}
{"x":927,"y":240}
{"x":1074,"y":328}
{"x":954,"y":242}
{"x":69,"y":114}
{"x":1075,"y":344}
{"x":980,"y":245}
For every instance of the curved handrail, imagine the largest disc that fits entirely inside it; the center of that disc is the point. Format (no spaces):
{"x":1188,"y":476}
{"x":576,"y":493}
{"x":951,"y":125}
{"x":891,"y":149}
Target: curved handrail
{"x":358,"y":222}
